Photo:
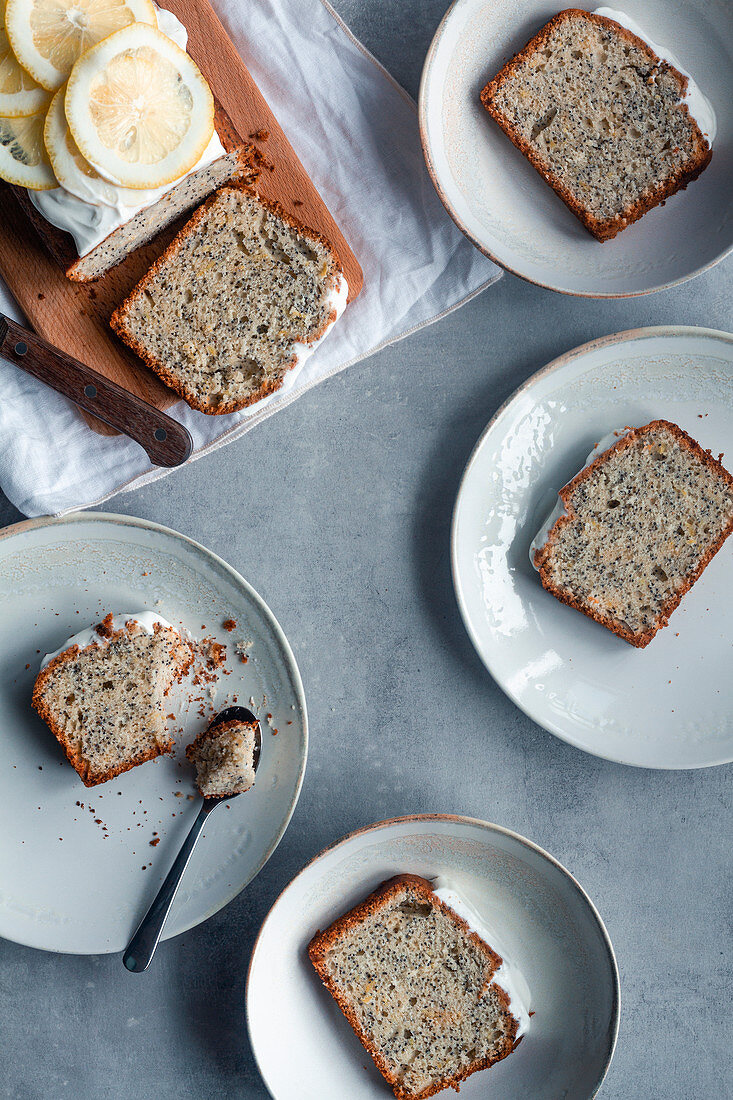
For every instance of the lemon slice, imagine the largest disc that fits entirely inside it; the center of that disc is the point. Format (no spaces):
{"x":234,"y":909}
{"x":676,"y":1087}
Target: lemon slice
{"x":23,"y":157}
{"x":139,"y":109}
{"x":47,"y":36}
{"x":19,"y":93}
{"x":74,"y":172}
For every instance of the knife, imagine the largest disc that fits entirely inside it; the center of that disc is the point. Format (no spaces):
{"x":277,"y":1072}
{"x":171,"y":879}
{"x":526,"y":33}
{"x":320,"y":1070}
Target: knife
{"x":166,"y":442}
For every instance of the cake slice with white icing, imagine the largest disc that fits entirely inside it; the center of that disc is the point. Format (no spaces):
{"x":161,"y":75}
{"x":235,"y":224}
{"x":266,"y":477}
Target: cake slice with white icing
{"x":605,"y":116}
{"x":635,"y":528}
{"x":428,"y":997}
{"x":106,"y":221}
{"x":236,"y":304}
{"x":102,"y":693}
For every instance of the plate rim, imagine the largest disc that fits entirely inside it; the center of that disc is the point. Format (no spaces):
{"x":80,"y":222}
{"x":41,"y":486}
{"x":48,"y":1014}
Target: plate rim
{"x":121,"y":520}
{"x":626,"y":336}
{"x":422,"y":112}
{"x":490,"y":827}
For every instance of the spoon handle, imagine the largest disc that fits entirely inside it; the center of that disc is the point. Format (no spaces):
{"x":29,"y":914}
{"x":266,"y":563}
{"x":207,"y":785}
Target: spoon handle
{"x":141,"y":947}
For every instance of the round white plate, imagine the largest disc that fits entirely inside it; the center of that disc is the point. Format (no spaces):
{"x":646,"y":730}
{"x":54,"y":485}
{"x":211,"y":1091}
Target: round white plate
{"x":548,"y":926}
{"x":502,"y":204}
{"x":666,"y":706}
{"x":77,"y":869}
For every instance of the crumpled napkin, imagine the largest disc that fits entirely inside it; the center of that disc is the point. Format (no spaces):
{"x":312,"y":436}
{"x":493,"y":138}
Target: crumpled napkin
{"x":356,"y":132}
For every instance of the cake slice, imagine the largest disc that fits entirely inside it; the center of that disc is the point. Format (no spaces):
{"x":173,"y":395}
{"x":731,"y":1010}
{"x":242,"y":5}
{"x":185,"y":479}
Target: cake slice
{"x":601,"y":117}
{"x":224,"y":758}
{"x":641,"y":523}
{"x":241,"y":297}
{"x":102,"y":694}
{"x":416,"y":985}
{"x":49,"y":210}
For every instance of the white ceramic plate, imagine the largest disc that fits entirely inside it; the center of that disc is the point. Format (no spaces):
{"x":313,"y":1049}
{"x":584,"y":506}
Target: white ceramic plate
{"x":666,"y":706}
{"x":67,"y":883}
{"x":548,"y":926}
{"x":501,"y":203}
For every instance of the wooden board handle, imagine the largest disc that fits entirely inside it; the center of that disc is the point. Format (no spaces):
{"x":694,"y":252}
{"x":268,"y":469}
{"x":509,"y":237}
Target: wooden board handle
{"x":166,"y":442}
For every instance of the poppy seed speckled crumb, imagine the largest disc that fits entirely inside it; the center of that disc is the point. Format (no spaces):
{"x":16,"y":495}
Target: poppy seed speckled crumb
{"x":223,"y":756}
{"x":148,"y":222}
{"x":600,"y":117}
{"x":220,"y":316}
{"x":104,"y":702}
{"x":416,"y":986}
{"x":643,"y":521}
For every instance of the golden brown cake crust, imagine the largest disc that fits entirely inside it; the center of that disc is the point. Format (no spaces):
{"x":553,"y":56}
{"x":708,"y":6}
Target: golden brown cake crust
{"x":118,"y":318}
{"x":381,"y":897}
{"x":92,"y":779}
{"x":542,"y":555}
{"x":607,"y":228}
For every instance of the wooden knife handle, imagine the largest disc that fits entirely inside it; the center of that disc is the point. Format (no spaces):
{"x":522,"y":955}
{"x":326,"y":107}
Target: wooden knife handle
{"x":166,"y":441}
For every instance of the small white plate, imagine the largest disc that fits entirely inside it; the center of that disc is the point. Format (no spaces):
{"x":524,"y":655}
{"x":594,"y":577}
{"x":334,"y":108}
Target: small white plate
{"x":666,"y":706}
{"x":77,"y":869}
{"x":549,"y":929}
{"x":501,"y":203}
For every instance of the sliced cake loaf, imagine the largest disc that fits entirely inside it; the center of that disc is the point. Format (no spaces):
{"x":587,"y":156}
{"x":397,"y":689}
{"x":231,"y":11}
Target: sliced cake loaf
{"x":642,"y":522}
{"x":102,"y":696}
{"x":242,"y":295}
{"x":224,"y":758}
{"x":416,"y":986}
{"x":601,"y":117}
{"x":141,"y":227}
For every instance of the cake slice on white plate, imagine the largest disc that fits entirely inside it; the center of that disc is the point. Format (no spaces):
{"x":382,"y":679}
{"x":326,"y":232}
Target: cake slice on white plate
{"x":635,"y":528}
{"x":611,"y":121}
{"x":103,"y":693}
{"x":424,"y":992}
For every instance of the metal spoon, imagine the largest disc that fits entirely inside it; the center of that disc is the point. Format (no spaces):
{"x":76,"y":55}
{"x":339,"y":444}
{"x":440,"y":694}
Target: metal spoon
{"x":141,"y":948}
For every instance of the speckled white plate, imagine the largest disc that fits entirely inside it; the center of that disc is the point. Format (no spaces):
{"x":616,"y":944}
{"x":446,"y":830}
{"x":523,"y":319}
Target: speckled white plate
{"x":666,"y":706}
{"x":501,"y":203}
{"x":548,"y":927}
{"x":77,"y":869}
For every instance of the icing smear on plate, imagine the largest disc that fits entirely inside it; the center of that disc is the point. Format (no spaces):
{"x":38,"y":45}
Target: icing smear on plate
{"x":559,"y":510}
{"x":508,"y":977}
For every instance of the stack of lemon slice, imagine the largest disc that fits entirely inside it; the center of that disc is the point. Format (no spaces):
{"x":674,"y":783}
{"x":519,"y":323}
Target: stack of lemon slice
{"x":95,"y":99}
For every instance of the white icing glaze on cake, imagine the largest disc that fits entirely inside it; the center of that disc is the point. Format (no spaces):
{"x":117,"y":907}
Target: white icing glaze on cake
{"x":508,"y":977}
{"x":698,"y":105}
{"x":146,"y":620}
{"x":600,"y":448}
{"x":336,"y":299}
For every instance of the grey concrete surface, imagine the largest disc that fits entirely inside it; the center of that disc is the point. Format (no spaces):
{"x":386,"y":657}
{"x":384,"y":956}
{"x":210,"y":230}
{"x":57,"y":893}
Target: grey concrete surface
{"x":338,"y":511}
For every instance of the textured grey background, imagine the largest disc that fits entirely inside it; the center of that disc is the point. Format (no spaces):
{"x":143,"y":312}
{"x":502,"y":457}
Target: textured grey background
{"x":338,"y":511}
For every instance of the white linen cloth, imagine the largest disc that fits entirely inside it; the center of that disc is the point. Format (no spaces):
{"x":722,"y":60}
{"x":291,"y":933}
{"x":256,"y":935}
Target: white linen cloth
{"x":355,"y":130}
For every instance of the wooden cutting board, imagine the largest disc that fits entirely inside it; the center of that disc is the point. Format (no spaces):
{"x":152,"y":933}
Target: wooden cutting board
{"x":74,"y":316}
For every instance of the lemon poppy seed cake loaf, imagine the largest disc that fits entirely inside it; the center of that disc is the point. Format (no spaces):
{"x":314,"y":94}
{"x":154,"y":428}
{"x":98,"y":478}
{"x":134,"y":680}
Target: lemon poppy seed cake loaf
{"x":102,"y":694}
{"x":143,"y":226}
{"x":601,"y":117}
{"x":640,"y":524}
{"x":241,"y":296}
{"x":224,"y":758}
{"x":416,"y":985}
